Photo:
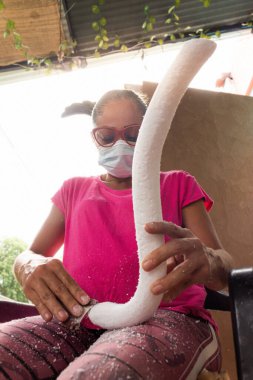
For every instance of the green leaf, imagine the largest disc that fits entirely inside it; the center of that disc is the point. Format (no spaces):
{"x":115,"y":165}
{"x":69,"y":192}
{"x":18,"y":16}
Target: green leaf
{"x":101,"y":43}
{"x":152,"y":19}
{"x":36,"y":62}
{"x":18,"y":43}
{"x":144,"y":25}
{"x":6,"y":33}
{"x":146,"y":10}
{"x":2,"y":5}
{"x":124,"y":48}
{"x":95,"y":9}
{"x":98,"y":37}
{"x":95,"y":26}
{"x":171,"y":9}
{"x":218,"y":33}
{"x":116,"y":43}
{"x":172,"y":37}
{"x":105,"y":38}
{"x":103,"y":32}
{"x":149,"y":27}
{"x":181,"y":35}
{"x":48,"y":62}
{"x":10,"y":25}
{"x":97,"y":54}
{"x":147,"y":45}
{"x":160,"y":41}
{"x":103,"y":21}
{"x":177,"y":3}
{"x":175,"y":16}
{"x":206,"y":3}
{"x":168,"y":21}
{"x":204,"y":35}
{"x":101,"y":2}
{"x":105,"y":46}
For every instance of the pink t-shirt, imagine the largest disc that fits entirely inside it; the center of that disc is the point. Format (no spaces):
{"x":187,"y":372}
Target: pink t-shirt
{"x":100,"y":250}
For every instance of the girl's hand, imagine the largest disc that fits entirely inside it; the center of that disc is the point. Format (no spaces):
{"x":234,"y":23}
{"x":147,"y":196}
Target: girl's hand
{"x":49,"y":287}
{"x":188,"y":260}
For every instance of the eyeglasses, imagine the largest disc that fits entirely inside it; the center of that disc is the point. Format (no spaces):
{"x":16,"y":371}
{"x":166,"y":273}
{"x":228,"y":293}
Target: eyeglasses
{"x":107,"y":136}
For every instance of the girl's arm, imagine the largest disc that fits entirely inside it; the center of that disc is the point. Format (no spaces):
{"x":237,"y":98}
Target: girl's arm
{"x":43,"y":278}
{"x":193,"y":255}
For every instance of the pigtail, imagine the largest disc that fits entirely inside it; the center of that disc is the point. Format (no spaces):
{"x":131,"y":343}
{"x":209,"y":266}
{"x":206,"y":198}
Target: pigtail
{"x":86,"y":108}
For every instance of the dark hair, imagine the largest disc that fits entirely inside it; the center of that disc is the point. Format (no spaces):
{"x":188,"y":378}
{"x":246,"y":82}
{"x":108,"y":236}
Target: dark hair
{"x":85,"y":107}
{"x":136,"y":98}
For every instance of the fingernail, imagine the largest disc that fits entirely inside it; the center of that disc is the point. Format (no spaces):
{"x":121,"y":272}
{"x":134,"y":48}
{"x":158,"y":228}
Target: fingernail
{"x":157,"y":289}
{"x":150,"y":224}
{"x":148,"y":264}
{"x":85,"y":299}
{"x":62,"y":314}
{"x":47,"y":316}
{"x":77,"y":310}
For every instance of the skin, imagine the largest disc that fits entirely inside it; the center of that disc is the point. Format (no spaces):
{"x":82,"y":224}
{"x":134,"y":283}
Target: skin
{"x":193,"y":255}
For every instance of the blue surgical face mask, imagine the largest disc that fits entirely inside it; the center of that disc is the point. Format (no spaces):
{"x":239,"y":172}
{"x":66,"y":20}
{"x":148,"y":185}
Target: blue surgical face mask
{"x":117,"y":159}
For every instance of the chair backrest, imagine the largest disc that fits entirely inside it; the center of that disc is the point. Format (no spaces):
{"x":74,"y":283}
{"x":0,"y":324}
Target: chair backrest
{"x":241,"y":292}
{"x":212,"y":137}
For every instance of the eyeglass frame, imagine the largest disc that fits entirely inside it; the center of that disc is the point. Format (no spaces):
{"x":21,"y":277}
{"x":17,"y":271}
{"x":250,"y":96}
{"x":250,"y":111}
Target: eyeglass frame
{"x":119,"y":134}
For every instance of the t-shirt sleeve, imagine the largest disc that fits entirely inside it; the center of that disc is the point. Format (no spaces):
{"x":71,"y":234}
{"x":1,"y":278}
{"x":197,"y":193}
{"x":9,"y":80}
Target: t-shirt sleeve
{"x":60,"y":198}
{"x":191,"y":191}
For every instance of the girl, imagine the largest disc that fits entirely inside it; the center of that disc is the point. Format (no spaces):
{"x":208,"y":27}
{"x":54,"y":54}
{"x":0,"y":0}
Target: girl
{"x":93,"y":217}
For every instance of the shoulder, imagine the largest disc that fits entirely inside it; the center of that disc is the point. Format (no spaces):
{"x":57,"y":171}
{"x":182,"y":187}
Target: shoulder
{"x":78,"y":182}
{"x":76,"y":186}
{"x":183,"y":186}
{"x":175,"y":176}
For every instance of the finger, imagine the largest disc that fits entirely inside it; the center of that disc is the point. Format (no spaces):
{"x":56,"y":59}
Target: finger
{"x":37,"y":284}
{"x":47,"y":298}
{"x":175,"y":247}
{"x":64,"y":296}
{"x":187,"y":273}
{"x":171,"y":264}
{"x":73,"y":288}
{"x":42,"y":309}
{"x":168,"y":228}
{"x":53,"y":291}
{"x":172,"y":284}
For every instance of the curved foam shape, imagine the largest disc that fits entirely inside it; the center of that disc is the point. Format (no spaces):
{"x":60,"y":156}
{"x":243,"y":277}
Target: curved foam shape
{"x":146,"y":184}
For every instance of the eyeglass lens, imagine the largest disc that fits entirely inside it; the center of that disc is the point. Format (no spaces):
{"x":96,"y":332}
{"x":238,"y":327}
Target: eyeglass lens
{"x":108,"y":136}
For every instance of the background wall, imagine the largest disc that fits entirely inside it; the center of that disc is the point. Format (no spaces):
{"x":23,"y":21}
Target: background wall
{"x":212,"y":137}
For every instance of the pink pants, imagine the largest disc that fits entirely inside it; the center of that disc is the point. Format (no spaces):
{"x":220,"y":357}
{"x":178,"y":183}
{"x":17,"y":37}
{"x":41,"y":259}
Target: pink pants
{"x":169,"y":346}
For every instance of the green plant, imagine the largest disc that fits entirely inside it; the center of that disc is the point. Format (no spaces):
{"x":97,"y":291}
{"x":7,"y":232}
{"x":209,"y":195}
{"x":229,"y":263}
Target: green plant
{"x":206,"y":3}
{"x":111,"y":41}
{"x":99,"y":25}
{"x":9,"y":287}
{"x":2,"y":5}
{"x":65,"y":50}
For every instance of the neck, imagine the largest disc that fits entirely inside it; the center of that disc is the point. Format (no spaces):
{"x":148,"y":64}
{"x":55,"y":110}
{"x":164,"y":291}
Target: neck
{"x":116,"y":183}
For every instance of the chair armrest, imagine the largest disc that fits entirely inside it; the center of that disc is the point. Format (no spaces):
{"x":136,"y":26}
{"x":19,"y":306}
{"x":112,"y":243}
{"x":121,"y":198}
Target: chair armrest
{"x":217,"y":300}
{"x":241,"y":293}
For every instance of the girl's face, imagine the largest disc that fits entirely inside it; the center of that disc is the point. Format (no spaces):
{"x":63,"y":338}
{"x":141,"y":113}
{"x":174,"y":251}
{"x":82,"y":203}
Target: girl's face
{"x":119,"y":114}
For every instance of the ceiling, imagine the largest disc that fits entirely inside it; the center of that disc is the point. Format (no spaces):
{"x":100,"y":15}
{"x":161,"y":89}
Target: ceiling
{"x":44,"y":25}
